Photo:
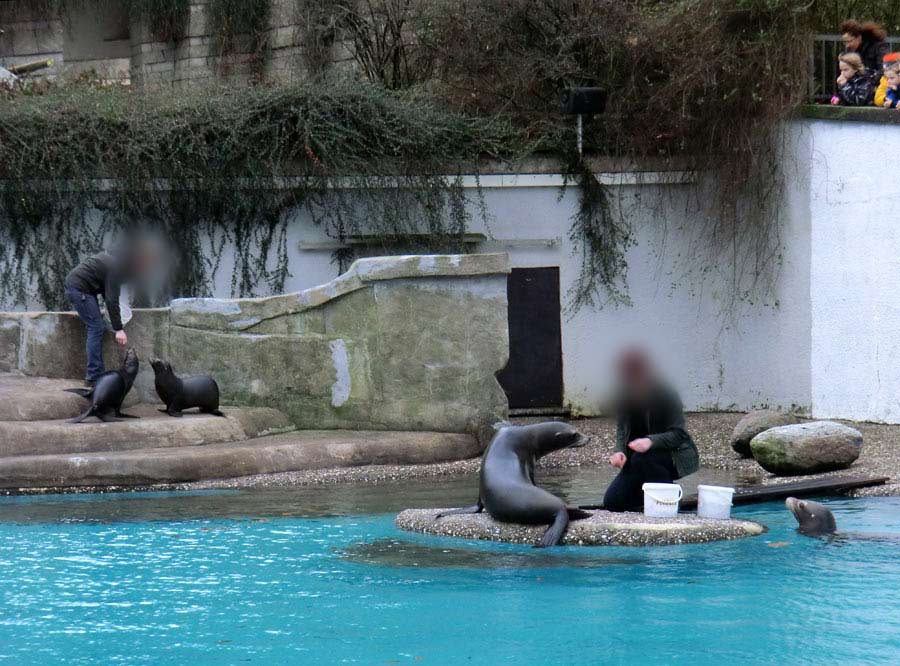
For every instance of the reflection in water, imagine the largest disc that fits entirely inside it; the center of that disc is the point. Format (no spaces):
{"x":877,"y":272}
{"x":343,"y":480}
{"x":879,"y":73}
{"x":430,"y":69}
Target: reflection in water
{"x":397,"y":553}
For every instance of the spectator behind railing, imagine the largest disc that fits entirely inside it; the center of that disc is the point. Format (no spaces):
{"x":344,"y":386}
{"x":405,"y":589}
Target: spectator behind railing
{"x":892,"y":92}
{"x":866,"y":40}
{"x":889,"y":60}
{"x":855,"y":86}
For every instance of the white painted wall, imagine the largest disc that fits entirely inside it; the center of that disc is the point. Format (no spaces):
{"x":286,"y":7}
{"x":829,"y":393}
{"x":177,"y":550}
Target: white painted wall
{"x":719,"y":356}
{"x":828,"y":340}
{"x":855,"y":270}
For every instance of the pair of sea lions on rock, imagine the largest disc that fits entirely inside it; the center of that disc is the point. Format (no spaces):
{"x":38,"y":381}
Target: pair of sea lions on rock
{"x":507,"y":489}
{"x":109,"y":391}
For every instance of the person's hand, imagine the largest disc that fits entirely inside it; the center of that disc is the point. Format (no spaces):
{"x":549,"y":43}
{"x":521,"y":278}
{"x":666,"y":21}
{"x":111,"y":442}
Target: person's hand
{"x":617,"y":459}
{"x":641,"y":445}
{"x":841,"y":80}
{"x":121,"y":338}
{"x":887,"y":104}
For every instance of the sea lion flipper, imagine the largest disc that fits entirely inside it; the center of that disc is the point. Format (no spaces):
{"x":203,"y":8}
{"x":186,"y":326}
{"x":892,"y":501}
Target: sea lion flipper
{"x":554,"y":533}
{"x":216,"y":412}
{"x":123,"y":415}
{"x":577,"y":513}
{"x":81,"y":417}
{"x":475,"y":508}
{"x":83,"y":392}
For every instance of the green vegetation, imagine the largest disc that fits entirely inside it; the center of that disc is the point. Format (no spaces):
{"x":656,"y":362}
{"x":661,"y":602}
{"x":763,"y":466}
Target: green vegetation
{"x":227,"y":164}
{"x":701,"y":86}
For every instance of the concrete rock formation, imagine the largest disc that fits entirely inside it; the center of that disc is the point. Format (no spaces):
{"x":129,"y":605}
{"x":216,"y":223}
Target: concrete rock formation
{"x":601,"y":529}
{"x":391,"y":363}
{"x":755,"y":422}
{"x":408,"y":343}
{"x":807,"y":448}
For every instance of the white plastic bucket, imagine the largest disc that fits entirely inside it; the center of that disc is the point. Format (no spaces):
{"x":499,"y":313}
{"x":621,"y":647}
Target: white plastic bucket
{"x":714,"y":502}
{"x":661,"y":499}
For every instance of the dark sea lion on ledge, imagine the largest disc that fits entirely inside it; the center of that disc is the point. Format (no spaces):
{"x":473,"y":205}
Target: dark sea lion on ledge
{"x":179,"y":394}
{"x":508,"y":491}
{"x":109,"y":391}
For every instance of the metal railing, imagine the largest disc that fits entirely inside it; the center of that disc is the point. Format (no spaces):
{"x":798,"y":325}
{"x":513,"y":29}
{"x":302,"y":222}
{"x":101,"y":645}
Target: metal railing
{"x":823,"y":65}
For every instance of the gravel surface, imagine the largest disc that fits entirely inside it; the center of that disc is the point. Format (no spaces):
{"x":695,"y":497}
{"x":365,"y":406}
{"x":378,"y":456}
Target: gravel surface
{"x":711,"y":431}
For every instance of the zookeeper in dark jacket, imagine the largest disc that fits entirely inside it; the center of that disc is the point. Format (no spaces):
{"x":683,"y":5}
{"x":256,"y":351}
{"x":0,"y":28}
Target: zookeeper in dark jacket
{"x":103,"y":275}
{"x":652,"y":445}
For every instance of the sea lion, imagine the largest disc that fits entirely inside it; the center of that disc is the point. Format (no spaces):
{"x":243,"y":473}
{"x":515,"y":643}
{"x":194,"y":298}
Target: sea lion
{"x":179,"y":394}
{"x":813,"y":519}
{"x":816,"y":520}
{"x":507,"y":489}
{"x":109,"y":391}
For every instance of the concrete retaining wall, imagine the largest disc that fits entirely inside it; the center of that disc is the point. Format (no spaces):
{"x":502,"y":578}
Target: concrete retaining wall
{"x":396,"y":343}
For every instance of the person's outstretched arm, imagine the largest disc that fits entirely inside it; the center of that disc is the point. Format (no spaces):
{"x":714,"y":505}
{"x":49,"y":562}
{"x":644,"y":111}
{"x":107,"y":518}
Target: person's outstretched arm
{"x":111,"y":292}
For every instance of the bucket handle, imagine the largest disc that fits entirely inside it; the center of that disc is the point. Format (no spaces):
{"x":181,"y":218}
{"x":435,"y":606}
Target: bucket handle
{"x":666,"y":502}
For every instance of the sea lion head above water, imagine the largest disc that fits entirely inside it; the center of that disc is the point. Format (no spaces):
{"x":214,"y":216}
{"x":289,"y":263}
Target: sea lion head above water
{"x":813,"y":519}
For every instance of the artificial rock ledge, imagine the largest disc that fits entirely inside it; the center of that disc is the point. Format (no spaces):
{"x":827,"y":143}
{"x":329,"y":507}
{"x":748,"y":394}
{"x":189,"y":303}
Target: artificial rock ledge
{"x":404,"y":343}
{"x":603,"y":528}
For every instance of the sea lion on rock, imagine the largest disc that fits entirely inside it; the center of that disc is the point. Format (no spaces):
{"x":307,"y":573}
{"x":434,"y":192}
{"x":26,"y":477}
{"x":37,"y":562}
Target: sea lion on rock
{"x":813,"y":519}
{"x":507,"y":489}
{"x":109,"y":391}
{"x":179,"y":394}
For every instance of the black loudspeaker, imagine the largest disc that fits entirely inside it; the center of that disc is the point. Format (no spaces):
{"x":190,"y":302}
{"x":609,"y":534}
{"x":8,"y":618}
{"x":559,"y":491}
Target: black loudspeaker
{"x":582,"y":100}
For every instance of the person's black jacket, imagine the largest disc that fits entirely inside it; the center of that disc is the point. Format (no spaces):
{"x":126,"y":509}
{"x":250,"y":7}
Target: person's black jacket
{"x":661,"y":419}
{"x":872,"y":52}
{"x":858,"y":91}
{"x":102,"y":275}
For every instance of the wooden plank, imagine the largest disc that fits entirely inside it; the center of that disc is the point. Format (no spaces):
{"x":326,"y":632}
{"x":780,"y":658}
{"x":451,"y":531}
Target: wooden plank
{"x":827,"y":486}
{"x":754,"y":494}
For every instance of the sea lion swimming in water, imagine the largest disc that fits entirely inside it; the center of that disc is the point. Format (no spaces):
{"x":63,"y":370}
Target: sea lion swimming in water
{"x":813,"y":519}
{"x":816,"y":520}
{"x":109,"y":391}
{"x":179,"y":394}
{"x":507,"y":488}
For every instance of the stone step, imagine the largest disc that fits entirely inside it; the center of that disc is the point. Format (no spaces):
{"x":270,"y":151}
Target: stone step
{"x":42,"y":399}
{"x":153,"y":430}
{"x":289,"y":452}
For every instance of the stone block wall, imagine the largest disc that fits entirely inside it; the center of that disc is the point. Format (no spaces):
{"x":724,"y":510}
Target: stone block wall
{"x":395,"y":343}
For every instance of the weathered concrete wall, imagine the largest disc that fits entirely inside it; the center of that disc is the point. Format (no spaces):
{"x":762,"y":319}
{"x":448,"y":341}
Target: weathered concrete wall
{"x":855,"y":291}
{"x":396,"y":343}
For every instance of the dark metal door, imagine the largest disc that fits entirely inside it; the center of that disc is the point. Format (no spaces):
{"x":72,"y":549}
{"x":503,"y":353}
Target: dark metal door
{"x":533,"y":376}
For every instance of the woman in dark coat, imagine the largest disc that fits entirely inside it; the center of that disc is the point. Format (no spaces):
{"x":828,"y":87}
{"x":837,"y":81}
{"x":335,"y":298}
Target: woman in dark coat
{"x":867,"y":40}
{"x":652,"y":445}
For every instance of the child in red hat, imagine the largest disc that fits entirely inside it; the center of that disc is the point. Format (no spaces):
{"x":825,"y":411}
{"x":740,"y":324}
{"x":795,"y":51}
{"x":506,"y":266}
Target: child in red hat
{"x":890,"y":59}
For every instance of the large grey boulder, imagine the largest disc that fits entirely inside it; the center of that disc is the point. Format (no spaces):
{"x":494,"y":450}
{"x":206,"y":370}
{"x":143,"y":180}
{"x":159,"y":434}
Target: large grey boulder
{"x":755,"y":422}
{"x":807,"y":448}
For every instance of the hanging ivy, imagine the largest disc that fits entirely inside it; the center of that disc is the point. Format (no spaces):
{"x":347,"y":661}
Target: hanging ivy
{"x":165,"y":19}
{"x":226,"y":166}
{"x":230,"y":21}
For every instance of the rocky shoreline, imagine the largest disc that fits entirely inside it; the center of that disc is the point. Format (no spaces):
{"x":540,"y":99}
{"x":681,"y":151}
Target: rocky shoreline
{"x":711,"y":431}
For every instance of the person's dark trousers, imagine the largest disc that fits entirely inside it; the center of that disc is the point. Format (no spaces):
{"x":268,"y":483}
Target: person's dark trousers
{"x":626,"y":492}
{"x":88,"y":309}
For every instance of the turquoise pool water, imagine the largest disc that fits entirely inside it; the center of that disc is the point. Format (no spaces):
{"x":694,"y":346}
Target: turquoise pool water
{"x":321,"y":576}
